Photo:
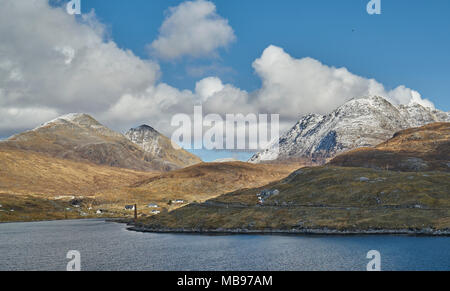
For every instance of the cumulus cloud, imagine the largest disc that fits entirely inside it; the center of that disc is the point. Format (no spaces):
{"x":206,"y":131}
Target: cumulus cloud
{"x":194,"y":29}
{"x":295,"y":87}
{"x":69,"y":65}
{"x":208,"y":87}
{"x":63,"y":65}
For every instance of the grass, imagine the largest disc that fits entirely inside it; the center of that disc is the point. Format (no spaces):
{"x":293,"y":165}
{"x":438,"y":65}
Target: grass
{"x":326,"y":197}
{"x":39,"y":187}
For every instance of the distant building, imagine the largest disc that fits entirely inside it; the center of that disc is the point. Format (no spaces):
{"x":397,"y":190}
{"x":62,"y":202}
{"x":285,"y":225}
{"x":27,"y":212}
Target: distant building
{"x":155,"y":212}
{"x":178,"y":201}
{"x":152,"y":205}
{"x":129,"y":207}
{"x":99,"y":211}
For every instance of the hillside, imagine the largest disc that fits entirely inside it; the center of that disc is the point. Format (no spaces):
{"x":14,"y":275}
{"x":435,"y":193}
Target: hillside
{"x":361,"y":122}
{"x":79,"y":137}
{"x":196,"y":184}
{"x":425,"y":148}
{"x":38,"y":187}
{"x":24,"y":172}
{"x":323,"y":199}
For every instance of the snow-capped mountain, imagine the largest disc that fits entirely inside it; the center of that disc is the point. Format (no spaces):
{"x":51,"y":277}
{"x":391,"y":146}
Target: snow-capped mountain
{"x":80,"y":137}
{"x":159,"y":146}
{"x":361,"y":122}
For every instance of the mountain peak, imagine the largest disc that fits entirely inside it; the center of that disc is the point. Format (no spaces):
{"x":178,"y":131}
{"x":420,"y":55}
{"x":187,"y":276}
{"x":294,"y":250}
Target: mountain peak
{"x":160,"y":146}
{"x":80,"y":119}
{"x":361,"y":122}
{"x":144,"y":128}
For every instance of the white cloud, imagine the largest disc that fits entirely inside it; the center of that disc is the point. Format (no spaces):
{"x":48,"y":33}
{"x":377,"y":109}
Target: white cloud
{"x":63,"y":64}
{"x":14,"y":120}
{"x":208,"y":87}
{"x":194,"y":29}
{"x":295,"y":87}
{"x":70,"y":66}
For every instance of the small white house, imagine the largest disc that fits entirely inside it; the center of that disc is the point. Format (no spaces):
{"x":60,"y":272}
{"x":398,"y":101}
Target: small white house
{"x":152,"y":205}
{"x":155,"y":212}
{"x":178,"y":201}
{"x":99,"y":211}
{"x":129,"y":207}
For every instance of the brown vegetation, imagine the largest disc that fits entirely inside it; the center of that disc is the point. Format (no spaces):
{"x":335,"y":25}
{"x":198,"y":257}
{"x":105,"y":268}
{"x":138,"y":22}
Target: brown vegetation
{"x":425,"y":148}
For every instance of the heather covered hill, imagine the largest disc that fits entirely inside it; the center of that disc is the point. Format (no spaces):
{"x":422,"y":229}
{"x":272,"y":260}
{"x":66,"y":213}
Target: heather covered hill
{"x":36,"y":186}
{"x":424,"y":148}
{"x":27,"y":172}
{"x":200,"y":182}
{"x":323,"y":199}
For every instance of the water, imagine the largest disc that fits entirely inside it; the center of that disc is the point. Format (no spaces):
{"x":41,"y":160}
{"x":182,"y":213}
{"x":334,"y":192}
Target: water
{"x":109,"y":246}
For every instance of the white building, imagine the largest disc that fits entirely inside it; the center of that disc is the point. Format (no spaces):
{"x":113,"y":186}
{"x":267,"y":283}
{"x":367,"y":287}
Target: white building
{"x":129,"y":207}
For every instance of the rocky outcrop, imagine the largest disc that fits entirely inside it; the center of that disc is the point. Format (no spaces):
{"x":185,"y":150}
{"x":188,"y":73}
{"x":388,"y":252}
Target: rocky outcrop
{"x":160,"y":147}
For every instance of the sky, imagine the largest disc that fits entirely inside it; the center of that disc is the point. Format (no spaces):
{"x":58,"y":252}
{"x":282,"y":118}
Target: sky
{"x":407,"y":44}
{"x":140,"y":61}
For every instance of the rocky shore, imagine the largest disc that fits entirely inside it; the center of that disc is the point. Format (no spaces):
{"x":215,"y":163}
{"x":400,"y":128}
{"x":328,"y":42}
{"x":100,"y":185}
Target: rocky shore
{"x":324,"y":231}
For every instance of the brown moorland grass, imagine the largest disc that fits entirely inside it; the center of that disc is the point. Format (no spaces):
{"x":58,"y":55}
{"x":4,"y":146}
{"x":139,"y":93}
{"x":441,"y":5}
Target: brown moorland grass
{"x":425,"y":148}
{"x":38,"y":187}
{"x":325,"y":197}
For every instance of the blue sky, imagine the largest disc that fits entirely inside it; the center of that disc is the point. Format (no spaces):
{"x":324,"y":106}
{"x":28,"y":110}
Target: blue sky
{"x":250,"y":56}
{"x":408,"y":44}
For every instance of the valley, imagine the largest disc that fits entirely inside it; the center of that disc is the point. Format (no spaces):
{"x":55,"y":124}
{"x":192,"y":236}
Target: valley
{"x":73,"y":167}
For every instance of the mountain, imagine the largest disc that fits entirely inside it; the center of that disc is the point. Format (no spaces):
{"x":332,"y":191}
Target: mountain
{"x":160,"y":147}
{"x":80,"y":137}
{"x":426,"y":148}
{"x":361,"y":122}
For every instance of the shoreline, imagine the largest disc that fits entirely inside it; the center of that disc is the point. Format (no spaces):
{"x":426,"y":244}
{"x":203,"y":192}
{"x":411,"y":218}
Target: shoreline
{"x":324,"y":231}
{"x":221,"y":231}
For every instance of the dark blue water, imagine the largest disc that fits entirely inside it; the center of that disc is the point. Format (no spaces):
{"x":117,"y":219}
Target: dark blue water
{"x":109,"y":246}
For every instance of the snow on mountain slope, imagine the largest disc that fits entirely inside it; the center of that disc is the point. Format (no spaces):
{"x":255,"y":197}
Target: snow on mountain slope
{"x":159,"y":146}
{"x":80,"y":137}
{"x":361,"y":122}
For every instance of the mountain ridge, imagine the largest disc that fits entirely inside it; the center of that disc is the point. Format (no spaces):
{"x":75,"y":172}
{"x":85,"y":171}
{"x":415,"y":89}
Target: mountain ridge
{"x":159,"y":146}
{"x":80,"y":137}
{"x":360,"y":122}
